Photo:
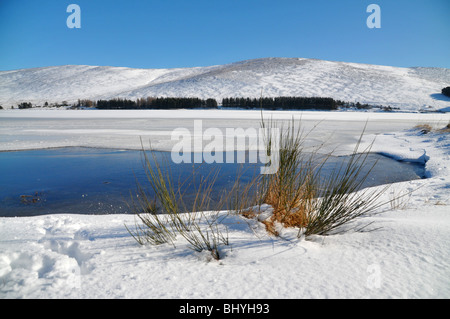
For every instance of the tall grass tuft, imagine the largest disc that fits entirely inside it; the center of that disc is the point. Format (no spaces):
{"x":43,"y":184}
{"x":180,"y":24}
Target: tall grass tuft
{"x":302,"y":196}
{"x":341,"y":198}
{"x":168,"y":215}
{"x":290,"y":190}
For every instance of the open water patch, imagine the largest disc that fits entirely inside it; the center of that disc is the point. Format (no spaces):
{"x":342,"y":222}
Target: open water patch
{"x":78,"y":180}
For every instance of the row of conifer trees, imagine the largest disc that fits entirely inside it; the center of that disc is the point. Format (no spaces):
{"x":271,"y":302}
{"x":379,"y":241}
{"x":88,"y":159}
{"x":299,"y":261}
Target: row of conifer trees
{"x":156,"y":103}
{"x":283,"y":102}
{"x":321,"y":103}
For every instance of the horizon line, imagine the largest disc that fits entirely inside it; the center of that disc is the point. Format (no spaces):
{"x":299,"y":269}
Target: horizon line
{"x":213,"y":65}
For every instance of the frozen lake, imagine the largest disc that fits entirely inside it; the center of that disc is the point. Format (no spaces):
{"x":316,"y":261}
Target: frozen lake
{"x":37,"y":129}
{"x":75,"y":161}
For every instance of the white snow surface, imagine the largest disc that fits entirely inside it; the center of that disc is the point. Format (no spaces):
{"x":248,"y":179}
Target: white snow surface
{"x":87,"y":256}
{"x":410,"y":89}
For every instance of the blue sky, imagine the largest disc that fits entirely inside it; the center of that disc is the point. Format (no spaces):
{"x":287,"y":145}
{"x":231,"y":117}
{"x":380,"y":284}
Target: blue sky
{"x":173,"y":33}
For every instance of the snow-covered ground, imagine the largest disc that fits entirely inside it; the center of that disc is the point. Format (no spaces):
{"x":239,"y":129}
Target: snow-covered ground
{"x":86,"y":256}
{"x":407,"y":88}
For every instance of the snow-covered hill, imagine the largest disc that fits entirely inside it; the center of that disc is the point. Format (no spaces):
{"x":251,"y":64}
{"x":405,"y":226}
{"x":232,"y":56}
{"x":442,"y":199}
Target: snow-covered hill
{"x":408,"y":88}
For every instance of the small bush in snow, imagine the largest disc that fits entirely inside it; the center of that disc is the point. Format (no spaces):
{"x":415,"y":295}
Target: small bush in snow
{"x":446,"y":91}
{"x":317,"y":204}
{"x":164,"y":218}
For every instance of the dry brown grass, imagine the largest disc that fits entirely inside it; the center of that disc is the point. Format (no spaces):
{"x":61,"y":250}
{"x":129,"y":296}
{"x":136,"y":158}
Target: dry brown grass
{"x":290,"y":207}
{"x":248,"y":213}
{"x":427,"y":128}
{"x":446,"y":129}
{"x":306,"y":198}
{"x":424,"y":128}
{"x":270,"y":227}
{"x":290,"y":190}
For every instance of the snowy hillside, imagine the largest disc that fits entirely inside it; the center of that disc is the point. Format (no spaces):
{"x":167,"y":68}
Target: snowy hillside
{"x":408,"y":88}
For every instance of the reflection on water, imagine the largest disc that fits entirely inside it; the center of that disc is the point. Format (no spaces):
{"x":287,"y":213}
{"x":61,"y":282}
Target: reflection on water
{"x":102,"y":181}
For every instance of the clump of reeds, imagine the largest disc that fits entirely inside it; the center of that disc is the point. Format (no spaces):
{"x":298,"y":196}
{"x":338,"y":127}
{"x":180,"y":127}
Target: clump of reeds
{"x":342,"y":198}
{"x":303,"y":197}
{"x":168,"y":215}
{"x":291,"y":188}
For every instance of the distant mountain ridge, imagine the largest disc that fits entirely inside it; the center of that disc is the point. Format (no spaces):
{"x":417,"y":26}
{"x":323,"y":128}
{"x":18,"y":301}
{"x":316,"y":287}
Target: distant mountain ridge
{"x":409,"y":89}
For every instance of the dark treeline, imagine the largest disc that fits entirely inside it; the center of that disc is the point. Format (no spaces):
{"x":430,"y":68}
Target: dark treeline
{"x":25,"y":105}
{"x":319,"y":103}
{"x":116,"y":104}
{"x":446,"y":91}
{"x":267,"y":103}
{"x":283,"y":102}
{"x":156,"y":103}
{"x":182,"y":103}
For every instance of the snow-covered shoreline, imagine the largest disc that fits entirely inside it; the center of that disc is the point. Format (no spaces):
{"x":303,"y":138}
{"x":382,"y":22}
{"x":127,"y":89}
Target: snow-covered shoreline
{"x":86,"y":256}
